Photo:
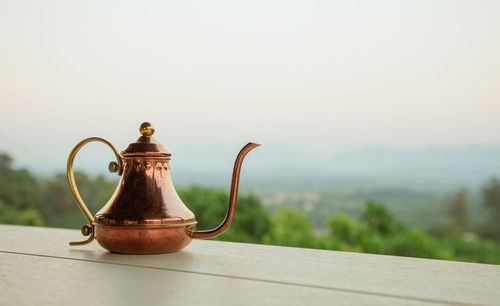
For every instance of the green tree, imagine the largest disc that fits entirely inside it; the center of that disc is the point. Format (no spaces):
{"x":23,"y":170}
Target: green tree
{"x":20,"y":195}
{"x":20,"y":189}
{"x":378,"y":219}
{"x":491,"y":201}
{"x":250,"y":222}
{"x":60,"y":208}
{"x":347,"y":234}
{"x":29,"y":216}
{"x":379,"y":232}
{"x":457,"y":214}
{"x":289,"y":227}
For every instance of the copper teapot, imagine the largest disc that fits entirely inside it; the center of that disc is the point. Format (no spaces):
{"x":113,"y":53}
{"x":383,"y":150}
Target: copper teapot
{"x":145,"y":215}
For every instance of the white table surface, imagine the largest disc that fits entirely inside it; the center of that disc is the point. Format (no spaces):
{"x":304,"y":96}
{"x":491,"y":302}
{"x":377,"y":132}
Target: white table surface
{"x":37,"y":266}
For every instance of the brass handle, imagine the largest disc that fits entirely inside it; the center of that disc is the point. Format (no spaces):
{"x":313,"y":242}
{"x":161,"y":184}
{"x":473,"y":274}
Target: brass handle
{"x":88,"y":229}
{"x":233,"y":193}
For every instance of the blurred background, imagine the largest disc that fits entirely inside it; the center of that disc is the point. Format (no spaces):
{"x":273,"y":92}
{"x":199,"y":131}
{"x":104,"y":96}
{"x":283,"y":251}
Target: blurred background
{"x":378,"y":119}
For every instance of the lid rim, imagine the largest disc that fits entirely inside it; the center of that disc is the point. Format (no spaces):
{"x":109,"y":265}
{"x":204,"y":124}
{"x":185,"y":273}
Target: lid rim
{"x":146,"y":154}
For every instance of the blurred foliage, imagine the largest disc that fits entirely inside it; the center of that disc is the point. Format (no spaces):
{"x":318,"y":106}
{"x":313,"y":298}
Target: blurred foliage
{"x":61,"y":209}
{"x":458,"y":216}
{"x":27,"y":200}
{"x":19,"y":216}
{"x":491,"y":201}
{"x":289,"y":227}
{"x":210,"y":207}
{"x":378,"y":232}
{"x":20,"y":195}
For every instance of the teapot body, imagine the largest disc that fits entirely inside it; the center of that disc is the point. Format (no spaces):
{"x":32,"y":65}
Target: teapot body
{"x":143,"y":240}
{"x":145,"y":215}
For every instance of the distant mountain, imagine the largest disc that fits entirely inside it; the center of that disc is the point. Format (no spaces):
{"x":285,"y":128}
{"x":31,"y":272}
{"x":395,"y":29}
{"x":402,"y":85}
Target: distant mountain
{"x":272,"y":167}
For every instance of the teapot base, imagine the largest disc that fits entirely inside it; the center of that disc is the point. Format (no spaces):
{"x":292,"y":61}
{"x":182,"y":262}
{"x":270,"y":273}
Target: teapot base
{"x":143,"y":240}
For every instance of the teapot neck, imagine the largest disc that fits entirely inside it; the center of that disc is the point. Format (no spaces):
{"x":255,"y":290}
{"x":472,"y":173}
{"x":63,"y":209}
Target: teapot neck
{"x":139,"y":163}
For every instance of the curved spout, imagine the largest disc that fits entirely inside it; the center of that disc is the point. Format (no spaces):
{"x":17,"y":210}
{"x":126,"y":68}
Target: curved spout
{"x":233,"y":193}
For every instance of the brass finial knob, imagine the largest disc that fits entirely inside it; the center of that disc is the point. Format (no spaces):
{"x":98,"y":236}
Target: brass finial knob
{"x":147,"y":129}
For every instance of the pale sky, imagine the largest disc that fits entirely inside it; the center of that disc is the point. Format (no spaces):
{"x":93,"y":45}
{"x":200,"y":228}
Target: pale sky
{"x":321,"y":76}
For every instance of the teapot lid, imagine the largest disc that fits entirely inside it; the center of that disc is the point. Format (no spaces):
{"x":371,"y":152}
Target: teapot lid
{"x":146,"y":145}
